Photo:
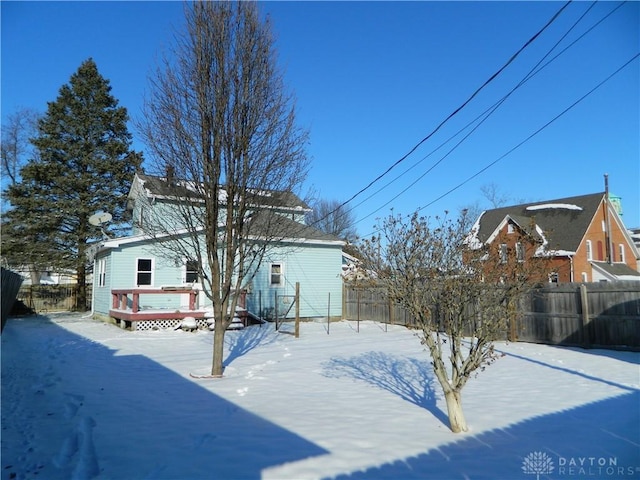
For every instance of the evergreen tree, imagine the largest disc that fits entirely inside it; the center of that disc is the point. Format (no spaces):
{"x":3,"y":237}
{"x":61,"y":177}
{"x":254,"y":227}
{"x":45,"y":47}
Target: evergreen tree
{"x":83,"y":164}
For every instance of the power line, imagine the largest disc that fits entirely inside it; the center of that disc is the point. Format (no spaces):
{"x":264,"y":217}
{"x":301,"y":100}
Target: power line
{"x":485,"y":168}
{"x":451,"y":115}
{"x":488,"y":112}
{"x":466,"y":102}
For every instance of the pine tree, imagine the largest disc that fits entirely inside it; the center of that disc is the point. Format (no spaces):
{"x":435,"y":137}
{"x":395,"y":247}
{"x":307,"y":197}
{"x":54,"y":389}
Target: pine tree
{"x":83,"y":163}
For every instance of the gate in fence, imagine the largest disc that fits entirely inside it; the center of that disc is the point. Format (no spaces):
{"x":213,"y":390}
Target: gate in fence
{"x":51,"y":298}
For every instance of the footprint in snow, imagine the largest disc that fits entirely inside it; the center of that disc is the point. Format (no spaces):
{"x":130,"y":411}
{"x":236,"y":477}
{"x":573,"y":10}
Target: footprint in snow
{"x":71,"y":406}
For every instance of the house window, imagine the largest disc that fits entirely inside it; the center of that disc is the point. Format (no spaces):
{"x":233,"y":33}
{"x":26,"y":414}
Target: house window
{"x":520,"y":252}
{"x":589,"y":250}
{"x":101,"y":271}
{"x":621,"y":252}
{"x":191,"y":274}
{"x":143,"y":271}
{"x":584,"y":277}
{"x":600,"y":251}
{"x":554,"y":277}
{"x":510,"y":228}
{"x":277,"y":274}
{"x":503,"y":253}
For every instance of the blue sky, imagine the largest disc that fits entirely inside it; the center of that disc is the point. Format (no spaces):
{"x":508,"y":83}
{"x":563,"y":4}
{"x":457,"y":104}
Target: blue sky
{"x":372,"y":79}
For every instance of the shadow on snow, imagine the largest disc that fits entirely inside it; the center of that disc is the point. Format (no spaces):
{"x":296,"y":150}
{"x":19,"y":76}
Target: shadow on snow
{"x":409,"y":378}
{"x":142,"y":420}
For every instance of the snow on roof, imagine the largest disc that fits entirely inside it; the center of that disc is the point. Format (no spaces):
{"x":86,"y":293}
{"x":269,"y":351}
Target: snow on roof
{"x":544,"y":206}
{"x":472,"y":240}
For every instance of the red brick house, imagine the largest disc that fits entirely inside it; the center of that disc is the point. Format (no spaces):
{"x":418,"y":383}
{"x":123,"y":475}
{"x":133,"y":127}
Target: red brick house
{"x":584,"y":238}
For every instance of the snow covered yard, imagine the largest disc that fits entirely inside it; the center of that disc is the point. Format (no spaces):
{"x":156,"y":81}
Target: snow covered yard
{"x":82,"y":399}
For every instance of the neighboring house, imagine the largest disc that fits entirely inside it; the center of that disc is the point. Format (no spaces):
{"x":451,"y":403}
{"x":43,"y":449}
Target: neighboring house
{"x":304,"y":255}
{"x":584,"y":237}
{"x":45,"y":277}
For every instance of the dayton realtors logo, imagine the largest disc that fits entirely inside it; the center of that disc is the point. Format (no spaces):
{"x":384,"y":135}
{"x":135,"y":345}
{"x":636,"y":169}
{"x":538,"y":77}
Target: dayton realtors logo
{"x":539,"y":463}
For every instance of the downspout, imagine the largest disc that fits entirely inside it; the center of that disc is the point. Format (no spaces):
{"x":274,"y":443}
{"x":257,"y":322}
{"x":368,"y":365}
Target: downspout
{"x":571,"y":275}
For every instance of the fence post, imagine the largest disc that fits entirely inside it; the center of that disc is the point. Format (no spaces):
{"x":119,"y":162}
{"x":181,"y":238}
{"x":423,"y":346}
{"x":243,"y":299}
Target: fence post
{"x":276,"y":309}
{"x":329,"y":310}
{"x":297,"y":325}
{"x":584,"y":301}
{"x":344,"y":299}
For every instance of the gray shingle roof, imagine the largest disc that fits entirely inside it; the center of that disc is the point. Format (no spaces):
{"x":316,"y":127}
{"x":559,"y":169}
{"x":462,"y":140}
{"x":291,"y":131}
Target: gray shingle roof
{"x":269,"y":198}
{"x":564,"y":221}
{"x":279,"y":226}
{"x":617,"y":269}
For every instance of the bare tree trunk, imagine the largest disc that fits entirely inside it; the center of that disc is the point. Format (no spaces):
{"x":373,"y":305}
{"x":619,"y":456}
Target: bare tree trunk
{"x":217,"y":368}
{"x":454,"y":411}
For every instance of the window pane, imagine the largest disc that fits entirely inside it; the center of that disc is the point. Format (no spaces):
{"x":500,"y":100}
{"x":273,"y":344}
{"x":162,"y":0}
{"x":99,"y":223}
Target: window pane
{"x":192,"y":271}
{"x":144,"y":265}
{"x":276,"y":274}
{"x":144,"y":278}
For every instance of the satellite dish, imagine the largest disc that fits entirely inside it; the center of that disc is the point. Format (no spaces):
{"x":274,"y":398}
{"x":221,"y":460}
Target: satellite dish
{"x":100,"y":218}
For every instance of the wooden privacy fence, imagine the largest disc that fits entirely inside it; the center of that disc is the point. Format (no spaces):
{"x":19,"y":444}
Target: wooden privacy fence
{"x":11,"y":282}
{"x":589,"y":315}
{"x":51,"y":298}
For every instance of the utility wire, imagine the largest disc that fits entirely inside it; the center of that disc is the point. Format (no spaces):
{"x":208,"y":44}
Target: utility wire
{"x":451,"y":115}
{"x":628,"y":62}
{"x":486,"y":167}
{"x":487,"y":113}
{"x":457,"y":110}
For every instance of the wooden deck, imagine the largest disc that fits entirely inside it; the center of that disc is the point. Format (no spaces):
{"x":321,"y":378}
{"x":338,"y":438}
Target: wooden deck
{"x":125,"y":307}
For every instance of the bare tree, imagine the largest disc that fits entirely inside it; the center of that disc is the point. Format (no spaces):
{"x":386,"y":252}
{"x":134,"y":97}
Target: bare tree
{"x":333,"y":217}
{"x":17,"y":131}
{"x":220,"y":120}
{"x":462,"y":295}
{"x":492,"y":193}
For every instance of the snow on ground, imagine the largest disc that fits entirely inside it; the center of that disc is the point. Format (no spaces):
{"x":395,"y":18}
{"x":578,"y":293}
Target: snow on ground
{"x":82,"y":399}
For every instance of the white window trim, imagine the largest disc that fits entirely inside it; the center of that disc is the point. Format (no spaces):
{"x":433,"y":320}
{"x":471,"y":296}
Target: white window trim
{"x":621,"y":253}
{"x":101,"y":271}
{"x":589,"y":250}
{"x":504,"y":253}
{"x":282,"y":270}
{"x":185,"y":271}
{"x":520,"y":252}
{"x":139,"y":271}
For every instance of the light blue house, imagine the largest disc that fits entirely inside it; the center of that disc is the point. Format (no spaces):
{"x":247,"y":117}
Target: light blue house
{"x":140,"y":285}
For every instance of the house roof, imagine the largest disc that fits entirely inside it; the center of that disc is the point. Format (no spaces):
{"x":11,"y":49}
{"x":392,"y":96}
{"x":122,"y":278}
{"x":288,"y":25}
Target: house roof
{"x":619,"y":271}
{"x":160,"y":187}
{"x":561,"y":222}
{"x":285,"y":229}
